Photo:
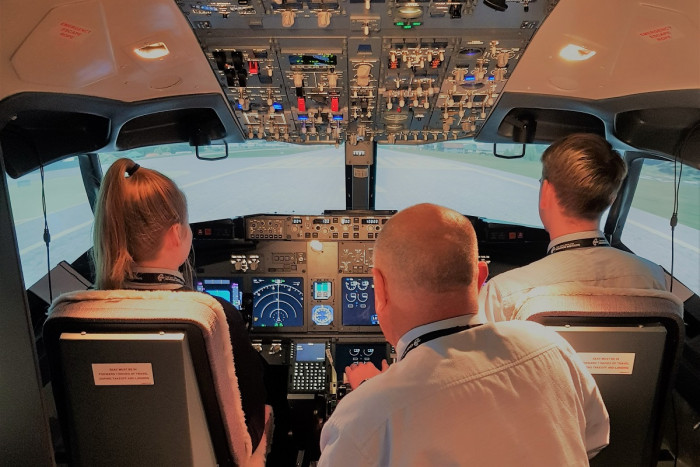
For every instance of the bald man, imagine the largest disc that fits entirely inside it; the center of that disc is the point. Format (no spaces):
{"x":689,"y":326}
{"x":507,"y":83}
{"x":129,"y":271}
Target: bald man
{"x":510,"y":393}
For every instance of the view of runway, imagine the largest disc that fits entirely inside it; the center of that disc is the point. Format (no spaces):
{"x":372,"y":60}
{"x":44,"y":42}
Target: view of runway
{"x":312,"y":181}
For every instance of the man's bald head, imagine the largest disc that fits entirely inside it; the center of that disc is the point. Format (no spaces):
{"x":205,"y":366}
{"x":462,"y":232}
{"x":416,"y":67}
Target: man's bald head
{"x":425,"y":269}
{"x":428,"y":247}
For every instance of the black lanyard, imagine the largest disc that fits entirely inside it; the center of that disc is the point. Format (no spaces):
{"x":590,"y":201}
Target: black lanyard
{"x":581,"y":243}
{"x":156,"y":278}
{"x":434,"y":335}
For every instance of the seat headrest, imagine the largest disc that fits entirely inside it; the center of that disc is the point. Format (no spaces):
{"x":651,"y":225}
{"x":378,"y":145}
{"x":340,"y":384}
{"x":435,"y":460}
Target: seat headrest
{"x":598,"y":301}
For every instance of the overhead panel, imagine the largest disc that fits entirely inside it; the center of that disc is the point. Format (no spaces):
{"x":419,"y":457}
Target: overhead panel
{"x":397,"y":72}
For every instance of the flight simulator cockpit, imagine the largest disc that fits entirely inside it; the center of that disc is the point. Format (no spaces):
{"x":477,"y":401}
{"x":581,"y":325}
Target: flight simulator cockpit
{"x":297,"y":128}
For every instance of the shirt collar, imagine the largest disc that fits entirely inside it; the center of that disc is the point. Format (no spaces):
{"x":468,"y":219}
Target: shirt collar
{"x":463,"y":320}
{"x":575,"y":236}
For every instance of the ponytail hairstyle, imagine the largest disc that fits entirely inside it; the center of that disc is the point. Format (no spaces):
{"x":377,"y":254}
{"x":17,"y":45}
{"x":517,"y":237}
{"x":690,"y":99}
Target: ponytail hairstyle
{"x":135,"y":208}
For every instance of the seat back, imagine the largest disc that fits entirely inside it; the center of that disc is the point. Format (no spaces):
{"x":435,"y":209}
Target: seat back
{"x":146,"y":378}
{"x":119,"y":415}
{"x":631,"y":342}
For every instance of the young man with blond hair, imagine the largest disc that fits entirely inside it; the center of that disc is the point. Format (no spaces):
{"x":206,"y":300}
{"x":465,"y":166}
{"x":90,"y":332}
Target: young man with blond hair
{"x":581,"y":175}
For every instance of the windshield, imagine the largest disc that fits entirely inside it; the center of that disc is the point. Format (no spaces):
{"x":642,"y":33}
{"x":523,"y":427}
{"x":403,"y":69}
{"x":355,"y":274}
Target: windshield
{"x":257,"y":177}
{"x":264,"y":177}
{"x":464,"y":176}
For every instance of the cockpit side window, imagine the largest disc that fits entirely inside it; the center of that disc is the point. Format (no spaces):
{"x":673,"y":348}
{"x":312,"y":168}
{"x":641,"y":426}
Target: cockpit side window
{"x":69,"y":217}
{"x":647,"y":230}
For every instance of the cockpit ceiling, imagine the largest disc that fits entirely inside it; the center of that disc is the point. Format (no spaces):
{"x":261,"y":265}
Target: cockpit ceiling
{"x":621,"y":48}
{"x":336,"y":71}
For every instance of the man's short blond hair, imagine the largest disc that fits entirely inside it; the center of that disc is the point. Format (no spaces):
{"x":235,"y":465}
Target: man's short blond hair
{"x":586,"y":173}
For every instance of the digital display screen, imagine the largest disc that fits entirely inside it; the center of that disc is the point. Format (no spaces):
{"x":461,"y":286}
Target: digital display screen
{"x":347,"y":354}
{"x":296,"y":220}
{"x":358,"y":302}
{"x":324,"y":220}
{"x":226,"y":288}
{"x":370,"y":221}
{"x":310,"y":351}
{"x":313,"y":60}
{"x":278,"y":301}
{"x":345,"y":221}
{"x":323,"y":290}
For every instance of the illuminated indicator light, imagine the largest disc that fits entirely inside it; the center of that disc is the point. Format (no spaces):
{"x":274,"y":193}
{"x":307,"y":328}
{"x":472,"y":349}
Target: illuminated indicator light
{"x":410,"y":11}
{"x":337,"y":117}
{"x":277,"y":106}
{"x":576,"y":53}
{"x":470,"y":78}
{"x":491,"y":78}
{"x":152,"y":51}
{"x":399,"y":23}
{"x":334,"y":104}
{"x":416,"y":23}
{"x":303,"y":117}
{"x":240,"y":107}
{"x":253,"y":67}
{"x":408,"y":26}
{"x":301,"y":104}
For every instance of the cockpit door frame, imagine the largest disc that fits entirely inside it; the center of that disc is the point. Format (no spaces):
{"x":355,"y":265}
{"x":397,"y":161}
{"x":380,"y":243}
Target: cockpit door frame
{"x":91,"y":172}
{"x":617,"y":216}
{"x":24,"y":431}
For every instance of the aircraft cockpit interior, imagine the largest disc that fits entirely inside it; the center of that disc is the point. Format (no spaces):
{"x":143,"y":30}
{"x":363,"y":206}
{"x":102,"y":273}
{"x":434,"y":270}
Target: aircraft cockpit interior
{"x":297,"y":129}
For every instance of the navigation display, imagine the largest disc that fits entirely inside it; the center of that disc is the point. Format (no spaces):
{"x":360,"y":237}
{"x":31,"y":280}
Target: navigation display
{"x":226,"y":288}
{"x":358,"y":302}
{"x":347,"y":354}
{"x":278,"y":301}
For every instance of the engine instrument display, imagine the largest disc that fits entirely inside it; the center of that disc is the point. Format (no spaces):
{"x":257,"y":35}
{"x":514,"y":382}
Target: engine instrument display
{"x":358,"y":302}
{"x":322,"y":290}
{"x":347,"y":354}
{"x":228,"y":289}
{"x":278,"y":301}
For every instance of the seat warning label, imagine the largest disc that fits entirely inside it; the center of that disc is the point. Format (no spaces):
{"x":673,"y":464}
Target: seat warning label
{"x":599,"y":363}
{"x":122,"y":374}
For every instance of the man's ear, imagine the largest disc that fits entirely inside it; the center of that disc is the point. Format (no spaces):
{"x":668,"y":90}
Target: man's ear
{"x":548,"y":195}
{"x":380,"y":292}
{"x":483,"y":273}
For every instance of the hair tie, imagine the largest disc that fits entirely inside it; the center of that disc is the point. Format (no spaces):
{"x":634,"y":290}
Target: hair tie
{"x":133,"y":169}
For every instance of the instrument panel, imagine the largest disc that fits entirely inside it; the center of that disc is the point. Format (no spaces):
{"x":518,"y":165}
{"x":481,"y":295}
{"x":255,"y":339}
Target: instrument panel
{"x":301,"y":274}
{"x":305,"y":284}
